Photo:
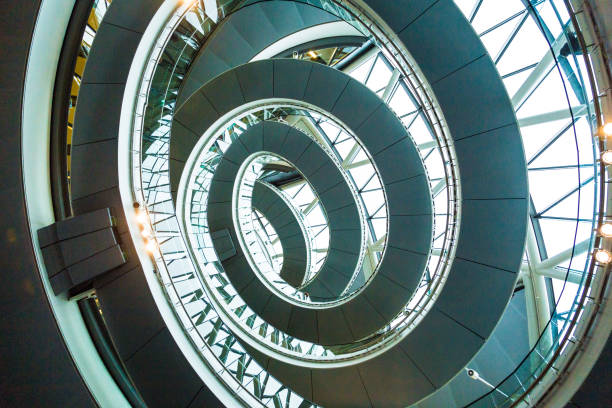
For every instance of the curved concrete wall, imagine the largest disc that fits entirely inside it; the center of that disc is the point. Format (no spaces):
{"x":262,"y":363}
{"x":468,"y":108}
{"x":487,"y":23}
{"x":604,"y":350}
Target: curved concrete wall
{"x":281,"y":217}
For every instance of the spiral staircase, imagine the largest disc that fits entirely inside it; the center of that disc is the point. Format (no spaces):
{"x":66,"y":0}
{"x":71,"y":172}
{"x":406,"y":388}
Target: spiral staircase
{"x":302,"y":203}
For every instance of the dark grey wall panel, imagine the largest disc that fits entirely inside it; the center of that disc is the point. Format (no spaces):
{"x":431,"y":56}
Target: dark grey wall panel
{"x":400,"y":264}
{"x":478,"y":83}
{"x":491,"y":218}
{"x":94,"y":168}
{"x":409,"y":197}
{"x":253,"y":139}
{"x":241,"y":274}
{"x":387,"y":297}
{"x":96,"y":97}
{"x":332,"y":325}
{"x":327,"y":384}
{"x":261,"y":200}
{"x":291,"y":87}
{"x":355,"y":114}
{"x":275,"y":138}
{"x":312,"y":160}
{"x":488,"y":165}
{"x":428,"y":346}
{"x":300,"y":377}
{"x":389,"y":384}
{"x":278,"y":16}
{"x":259,"y":298}
{"x":295,"y":145}
{"x":224,"y":93}
{"x":253,"y":22}
{"x":205,"y":399}
{"x":160,"y":365}
{"x":330,"y":84}
{"x":460,"y":44}
{"x":232,"y":40}
{"x":405,"y":232}
{"x":204,"y":109}
{"x":394,"y":131}
{"x":278,"y":312}
{"x":282,"y":219}
{"x":130,"y":312}
{"x":499,"y":356}
{"x":469,"y":287}
{"x":343,"y":219}
{"x":182,"y":149}
{"x":303,"y":323}
{"x":347,"y":239}
{"x":326,"y":177}
{"x":36,"y":368}
{"x":336,"y":197}
{"x":214,"y":65}
{"x":398,"y":161}
{"x":133,"y":15}
{"x":397,"y":15}
{"x":284,"y":216}
{"x":119,"y":46}
{"x":361,"y":316}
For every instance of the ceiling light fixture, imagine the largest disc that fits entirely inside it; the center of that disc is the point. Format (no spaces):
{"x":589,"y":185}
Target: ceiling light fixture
{"x":606,"y":230}
{"x":603,"y":257}
{"x":151,"y":246}
{"x":606,"y":157}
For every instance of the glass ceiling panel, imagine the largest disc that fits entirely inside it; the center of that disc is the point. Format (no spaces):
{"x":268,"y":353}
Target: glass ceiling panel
{"x":514,"y":81}
{"x":547,"y":187}
{"x":495,"y":40}
{"x":420,"y":131}
{"x":401,"y":103}
{"x":361,"y":72}
{"x":549,"y":96}
{"x":380,"y":75}
{"x":527,"y":48}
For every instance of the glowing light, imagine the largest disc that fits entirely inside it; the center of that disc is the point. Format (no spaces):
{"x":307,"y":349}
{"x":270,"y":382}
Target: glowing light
{"x":146,"y":233}
{"x":606,"y":157}
{"x":607,"y":129}
{"x":141,"y":217}
{"x":151,"y":246}
{"x":603,"y":256}
{"x":606,"y":230}
{"x":312,"y":54}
